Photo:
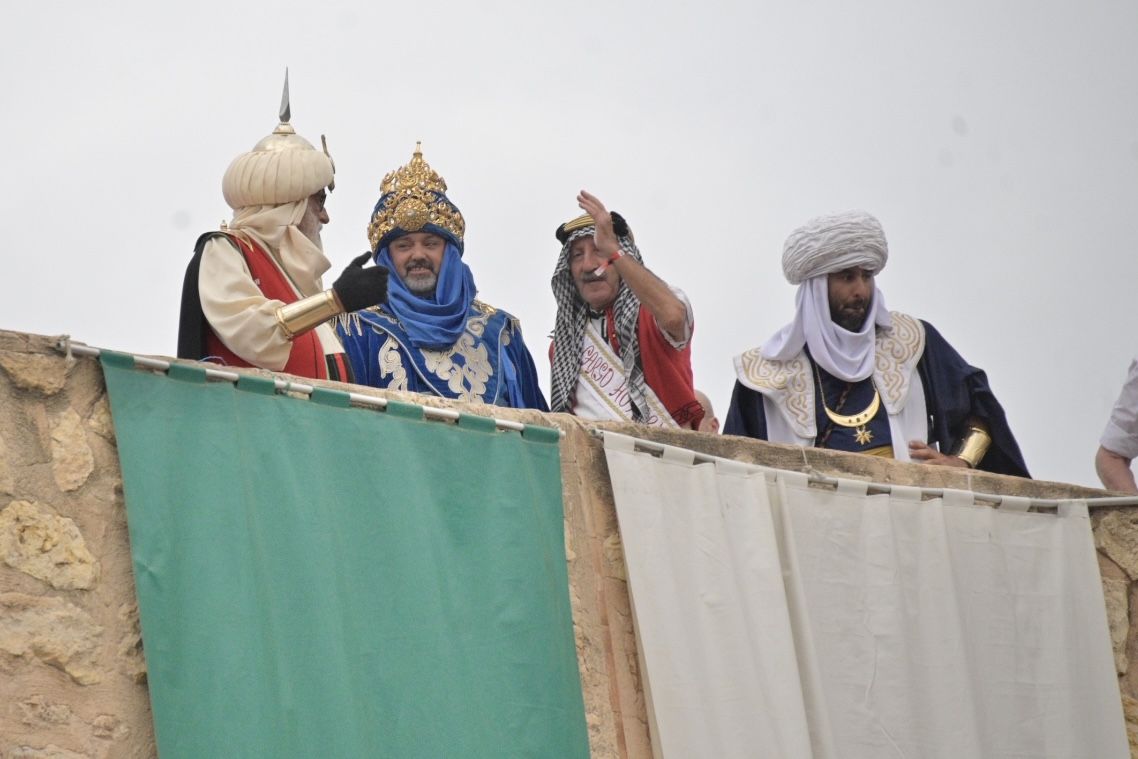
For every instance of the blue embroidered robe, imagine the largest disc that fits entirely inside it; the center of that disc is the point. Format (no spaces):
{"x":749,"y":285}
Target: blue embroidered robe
{"x":489,"y":363}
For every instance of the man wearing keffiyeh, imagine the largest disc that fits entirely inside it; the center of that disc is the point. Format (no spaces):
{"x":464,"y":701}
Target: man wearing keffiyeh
{"x":849,"y":374}
{"x":622,"y":342}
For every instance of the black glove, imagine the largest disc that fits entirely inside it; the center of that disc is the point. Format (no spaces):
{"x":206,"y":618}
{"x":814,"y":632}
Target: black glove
{"x":358,"y":287}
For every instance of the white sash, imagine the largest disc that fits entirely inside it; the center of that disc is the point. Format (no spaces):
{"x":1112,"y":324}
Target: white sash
{"x":602,"y":387}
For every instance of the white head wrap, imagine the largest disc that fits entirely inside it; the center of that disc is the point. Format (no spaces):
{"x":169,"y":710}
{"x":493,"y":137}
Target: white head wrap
{"x":822,"y":246}
{"x":275,"y":229}
{"x":827,"y":244}
{"x":281,"y":168}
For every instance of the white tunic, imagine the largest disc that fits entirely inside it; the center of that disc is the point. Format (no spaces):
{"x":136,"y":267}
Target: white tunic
{"x":240,"y":314}
{"x":1121,"y":433}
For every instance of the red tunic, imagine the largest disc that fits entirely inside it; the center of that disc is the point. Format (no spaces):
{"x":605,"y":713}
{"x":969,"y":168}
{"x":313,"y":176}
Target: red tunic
{"x":307,"y":356}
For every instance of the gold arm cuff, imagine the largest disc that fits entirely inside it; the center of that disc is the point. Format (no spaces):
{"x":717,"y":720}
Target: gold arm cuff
{"x":974,"y":445}
{"x":297,"y":318}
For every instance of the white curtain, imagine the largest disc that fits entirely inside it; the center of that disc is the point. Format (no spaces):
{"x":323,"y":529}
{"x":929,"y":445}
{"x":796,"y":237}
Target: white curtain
{"x":780,"y":619}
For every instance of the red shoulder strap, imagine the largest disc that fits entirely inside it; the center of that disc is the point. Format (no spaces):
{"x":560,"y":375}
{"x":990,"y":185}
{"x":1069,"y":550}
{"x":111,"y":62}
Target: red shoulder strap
{"x":307,"y":356}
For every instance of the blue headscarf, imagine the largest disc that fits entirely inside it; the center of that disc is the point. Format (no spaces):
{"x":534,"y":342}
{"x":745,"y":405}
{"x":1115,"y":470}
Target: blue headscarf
{"x":434,"y":323}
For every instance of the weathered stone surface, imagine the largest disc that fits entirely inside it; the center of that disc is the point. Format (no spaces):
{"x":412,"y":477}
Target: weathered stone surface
{"x":42,"y":374}
{"x":1117,"y":537}
{"x":7,"y":479}
{"x":100,"y":420}
{"x":132,"y":662}
{"x":1108,"y":568}
{"x":109,"y":728}
{"x":40,"y":543}
{"x":47,"y":752}
{"x":52,"y":632}
{"x":71,"y":459}
{"x":1117,"y":595}
{"x":39,"y":710}
{"x":1130,"y":712}
{"x":25,"y":430}
{"x":614,"y":552}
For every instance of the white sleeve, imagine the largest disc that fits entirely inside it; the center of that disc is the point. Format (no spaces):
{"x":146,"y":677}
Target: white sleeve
{"x":239,"y":313}
{"x":1121,"y":433}
{"x":689,"y":321}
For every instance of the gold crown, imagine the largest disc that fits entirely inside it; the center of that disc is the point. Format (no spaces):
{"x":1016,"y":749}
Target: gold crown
{"x":412,"y":197}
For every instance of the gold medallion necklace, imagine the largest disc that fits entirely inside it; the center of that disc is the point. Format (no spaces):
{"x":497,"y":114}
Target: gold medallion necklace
{"x":858,"y":420}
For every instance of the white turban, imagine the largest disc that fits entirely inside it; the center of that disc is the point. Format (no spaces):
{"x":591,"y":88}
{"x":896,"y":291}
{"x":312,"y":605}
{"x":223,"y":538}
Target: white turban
{"x":282,"y":168}
{"x":827,"y":244}
{"x":820,"y":247}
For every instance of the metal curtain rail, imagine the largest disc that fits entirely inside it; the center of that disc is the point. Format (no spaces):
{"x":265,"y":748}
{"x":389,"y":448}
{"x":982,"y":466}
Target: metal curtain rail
{"x":430,"y":412}
{"x":650,"y":446}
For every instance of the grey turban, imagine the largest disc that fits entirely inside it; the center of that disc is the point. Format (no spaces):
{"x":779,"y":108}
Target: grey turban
{"x":828,"y":244}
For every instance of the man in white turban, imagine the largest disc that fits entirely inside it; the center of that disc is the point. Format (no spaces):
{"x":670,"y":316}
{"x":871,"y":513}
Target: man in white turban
{"x":848,"y":374}
{"x":253,"y":294}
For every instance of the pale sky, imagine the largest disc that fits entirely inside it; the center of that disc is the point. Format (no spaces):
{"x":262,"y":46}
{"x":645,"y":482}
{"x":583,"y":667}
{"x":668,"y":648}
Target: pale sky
{"x":997,"y":142}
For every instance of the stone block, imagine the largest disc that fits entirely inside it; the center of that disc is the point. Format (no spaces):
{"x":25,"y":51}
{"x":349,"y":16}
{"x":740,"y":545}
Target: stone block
{"x":41,"y":374}
{"x":1117,"y":595}
{"x":1117,"y":536}
{"x":71,"y":459}
{"x":7,"y":478}
{"x":52,"y":632}
{"x":38,"y":542}
{"x":100,"y":420}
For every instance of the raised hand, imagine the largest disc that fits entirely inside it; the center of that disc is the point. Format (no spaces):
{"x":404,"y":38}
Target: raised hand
{"x":358,"y":287}
{"x":604,"y":237}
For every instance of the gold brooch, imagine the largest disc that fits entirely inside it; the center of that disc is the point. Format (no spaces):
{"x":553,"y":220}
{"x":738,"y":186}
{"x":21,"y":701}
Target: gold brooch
{"x":412,"y":197}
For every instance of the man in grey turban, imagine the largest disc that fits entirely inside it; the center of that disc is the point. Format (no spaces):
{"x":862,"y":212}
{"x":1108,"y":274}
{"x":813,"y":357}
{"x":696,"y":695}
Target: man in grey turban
{"x":850,"y":375}
{"x":253,"y":294}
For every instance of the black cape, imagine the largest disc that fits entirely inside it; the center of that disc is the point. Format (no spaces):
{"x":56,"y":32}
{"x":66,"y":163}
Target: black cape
{"x":192,"y":326}
{"x":954,"y":391}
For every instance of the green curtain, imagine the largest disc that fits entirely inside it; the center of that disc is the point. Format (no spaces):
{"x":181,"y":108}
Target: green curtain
{"x":316,"y":580}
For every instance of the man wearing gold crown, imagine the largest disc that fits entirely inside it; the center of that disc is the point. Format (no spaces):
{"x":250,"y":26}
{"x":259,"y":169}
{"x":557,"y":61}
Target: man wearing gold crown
{"x":433,"y":336}
{"x":253,"y":294}
{"x":850,"y":375}
{"x":622,"y":342}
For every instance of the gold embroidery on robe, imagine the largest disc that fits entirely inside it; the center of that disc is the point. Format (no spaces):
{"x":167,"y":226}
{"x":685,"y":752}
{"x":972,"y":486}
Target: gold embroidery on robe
{"x":790,"y":386}
{"x":468,"y":379}
{"x":895,"y":359}
{"x":789,"y":382}
{"x":391,"y":364}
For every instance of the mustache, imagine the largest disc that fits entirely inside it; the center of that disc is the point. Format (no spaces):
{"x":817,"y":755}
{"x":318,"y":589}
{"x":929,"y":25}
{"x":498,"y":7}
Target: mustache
{"x":420,"y":264}
{"x":592,"y":276}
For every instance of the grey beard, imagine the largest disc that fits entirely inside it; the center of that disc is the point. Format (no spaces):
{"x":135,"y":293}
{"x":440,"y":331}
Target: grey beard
{"x":423,"y":286}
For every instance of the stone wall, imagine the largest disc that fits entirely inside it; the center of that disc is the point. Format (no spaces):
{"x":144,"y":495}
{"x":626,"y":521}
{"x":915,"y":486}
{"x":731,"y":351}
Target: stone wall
{"x":72,"y":674}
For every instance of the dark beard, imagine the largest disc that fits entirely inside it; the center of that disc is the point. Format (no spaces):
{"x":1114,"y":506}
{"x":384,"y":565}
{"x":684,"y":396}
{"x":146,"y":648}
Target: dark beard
{"x":849,"y":320}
